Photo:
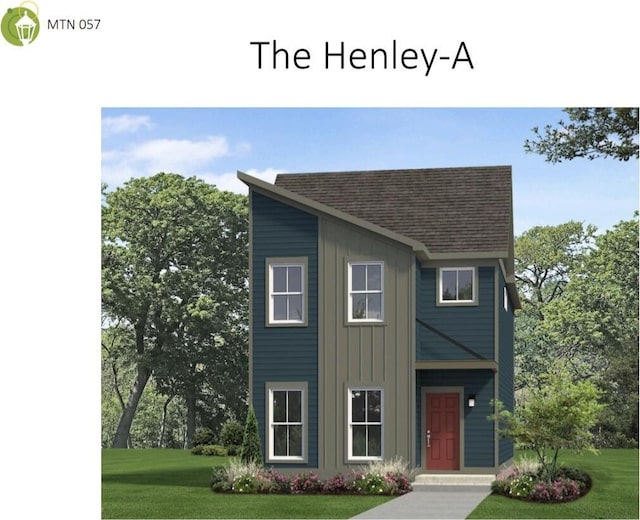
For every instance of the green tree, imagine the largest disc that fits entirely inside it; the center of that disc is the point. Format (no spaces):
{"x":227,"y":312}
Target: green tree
{"x":557,"y":415}
{"x":545,"y":258}
{"x":251,"y":446}
{"x":174,"y":254}
{"x":598,"y":317}
{"x":590,"y":133}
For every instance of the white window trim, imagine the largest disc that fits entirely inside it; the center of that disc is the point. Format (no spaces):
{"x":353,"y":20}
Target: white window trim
{"x":350,"y":292}
{"x":285,"y":386}
{"x":474,"y":286}
{"x":350,"y":423}
{"x":505,"y":299}
{"x":301,"y":262}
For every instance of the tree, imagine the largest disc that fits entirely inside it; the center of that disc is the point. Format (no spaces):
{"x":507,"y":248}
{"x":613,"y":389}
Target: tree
{"x":251,"y":447}
{"x":557,"y":415}
{"x":590,"y":133}
{"x":545,"y":259}
{"x":598,"y":316}
{"x":174,"y":254}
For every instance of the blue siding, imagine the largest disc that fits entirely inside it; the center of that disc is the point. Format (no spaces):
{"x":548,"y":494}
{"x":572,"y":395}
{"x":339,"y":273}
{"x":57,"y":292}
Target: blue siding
{"x":472,"y":326}
{"x":284,"y":353}
{"x":479,"y":441}
{"x":505,"y":364}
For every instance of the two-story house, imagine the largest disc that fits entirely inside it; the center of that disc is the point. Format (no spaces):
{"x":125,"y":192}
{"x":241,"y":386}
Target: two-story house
{"x":381,"y":317}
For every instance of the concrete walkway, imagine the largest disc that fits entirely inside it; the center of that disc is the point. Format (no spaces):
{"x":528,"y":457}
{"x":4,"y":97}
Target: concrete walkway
{"x":431,"y":502}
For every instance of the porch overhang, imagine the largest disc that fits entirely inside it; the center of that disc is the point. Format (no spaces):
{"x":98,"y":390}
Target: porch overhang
{"x":471,"y":364}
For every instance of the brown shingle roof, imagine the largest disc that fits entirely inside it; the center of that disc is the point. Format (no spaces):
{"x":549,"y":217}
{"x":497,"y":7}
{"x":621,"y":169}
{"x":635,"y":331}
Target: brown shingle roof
{"x":449,"y":210}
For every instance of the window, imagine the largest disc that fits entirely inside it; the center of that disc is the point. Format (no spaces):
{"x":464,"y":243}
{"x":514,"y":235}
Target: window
{"x":365,"y":424}
{"x":286,"y":288}
{"x":457,"y":285}
{"x":287,"y":419}
{"x":366,"y":282}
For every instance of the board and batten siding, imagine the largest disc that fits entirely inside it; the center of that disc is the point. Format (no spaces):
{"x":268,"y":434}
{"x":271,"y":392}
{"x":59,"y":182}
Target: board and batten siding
{"x":284,"y":353}
{"x":364,"y":355}
{"x":470,"y":325}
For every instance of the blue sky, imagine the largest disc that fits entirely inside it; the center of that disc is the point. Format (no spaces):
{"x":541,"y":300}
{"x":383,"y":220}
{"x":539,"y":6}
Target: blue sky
{"x":213,"y":143}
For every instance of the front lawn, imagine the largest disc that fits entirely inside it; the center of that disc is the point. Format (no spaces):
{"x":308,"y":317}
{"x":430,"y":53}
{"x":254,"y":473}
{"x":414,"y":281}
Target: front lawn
{"x":614,"y":493}
{"x":163,"y":483}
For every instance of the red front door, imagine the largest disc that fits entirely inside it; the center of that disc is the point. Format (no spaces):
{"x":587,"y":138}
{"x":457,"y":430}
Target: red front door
{"x":443,"y":431}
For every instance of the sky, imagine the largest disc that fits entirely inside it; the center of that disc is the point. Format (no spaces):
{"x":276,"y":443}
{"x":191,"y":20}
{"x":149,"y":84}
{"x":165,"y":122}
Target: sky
{"x":126,"y":97}
{"x":213,"y":143}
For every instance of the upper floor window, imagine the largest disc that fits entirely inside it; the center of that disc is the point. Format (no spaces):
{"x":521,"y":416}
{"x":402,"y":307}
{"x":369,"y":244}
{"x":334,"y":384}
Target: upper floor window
{"x":366,"y":291}
{"x":458,"y":285}
{"x":286,"y":289}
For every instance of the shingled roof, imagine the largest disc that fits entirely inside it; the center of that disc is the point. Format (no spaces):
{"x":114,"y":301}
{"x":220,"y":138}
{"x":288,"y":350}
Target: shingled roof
{"x":449,"y":210}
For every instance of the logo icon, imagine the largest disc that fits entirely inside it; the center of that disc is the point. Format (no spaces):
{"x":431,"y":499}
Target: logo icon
{"x":20,"y":25}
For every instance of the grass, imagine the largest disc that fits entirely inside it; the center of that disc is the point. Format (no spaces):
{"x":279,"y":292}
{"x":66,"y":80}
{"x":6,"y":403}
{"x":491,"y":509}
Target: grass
{"x":175,"y":484}
{"x":614,"y":493}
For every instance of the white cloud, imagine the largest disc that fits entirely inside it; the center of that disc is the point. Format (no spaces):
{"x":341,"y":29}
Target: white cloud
{"x":230,"y":182}
{"x":184,"y":156}
{"x":124,"y":124}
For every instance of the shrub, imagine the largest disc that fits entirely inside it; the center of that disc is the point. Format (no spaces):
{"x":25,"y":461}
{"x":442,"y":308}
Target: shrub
{"x":214,"y":450}
{"x":337,"y":485}
{"x":369,"y":484}
{"x":567,"y":484}
{"x":245,"y":484}
{"x":219,"y":481}
{"x":270,"y":481}
{"x":528,"y":465}
{"x":234,"y":450}
{"x":560,"y":490}
{"x":204,"y":436}
{"x":397,"y":484}
{"x":237,"y":468}
{"x":251,"y":449}
{"x":395,"y":466}
{"x":521,"y":485}
{"x":306,"y":483}
{"x":197,"y":450}
{"x":231,"y":433}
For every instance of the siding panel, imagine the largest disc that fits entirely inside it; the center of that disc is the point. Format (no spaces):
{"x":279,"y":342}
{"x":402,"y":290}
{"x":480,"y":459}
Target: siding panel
{"x":284,"y":353}
{"x":377,"y":355}
{"x":472,"y":326}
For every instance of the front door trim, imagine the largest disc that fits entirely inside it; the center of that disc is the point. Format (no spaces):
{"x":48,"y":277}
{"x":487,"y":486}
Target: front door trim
{"x":423,"y":426}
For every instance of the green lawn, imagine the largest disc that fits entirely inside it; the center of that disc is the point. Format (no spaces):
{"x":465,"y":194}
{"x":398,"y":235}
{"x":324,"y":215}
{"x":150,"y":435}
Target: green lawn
{"x":175,"y":484}
{"x":614,"y":493}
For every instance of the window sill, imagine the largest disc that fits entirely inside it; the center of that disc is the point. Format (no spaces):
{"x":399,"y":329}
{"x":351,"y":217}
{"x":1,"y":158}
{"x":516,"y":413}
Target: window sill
{"x":285,"y":324}
{"x":286,"y":460}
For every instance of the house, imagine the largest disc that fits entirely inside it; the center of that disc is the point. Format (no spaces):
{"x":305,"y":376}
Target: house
{"x":381,"y":317}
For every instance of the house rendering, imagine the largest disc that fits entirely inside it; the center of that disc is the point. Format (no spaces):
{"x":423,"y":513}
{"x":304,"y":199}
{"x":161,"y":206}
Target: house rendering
{"x":381,"y":317}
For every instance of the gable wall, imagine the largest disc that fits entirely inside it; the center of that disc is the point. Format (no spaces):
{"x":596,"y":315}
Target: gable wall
{"x":283,"y":353}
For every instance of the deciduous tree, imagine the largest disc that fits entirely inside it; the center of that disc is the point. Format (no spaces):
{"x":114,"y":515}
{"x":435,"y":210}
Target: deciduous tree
{"x":557,"y":415}
{"x":590,"y":133}
{"x":174,"y":251}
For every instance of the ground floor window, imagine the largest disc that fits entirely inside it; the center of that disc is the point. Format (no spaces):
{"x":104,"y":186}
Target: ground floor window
{"x":365,"y":424}
{"x":286,"y":435}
